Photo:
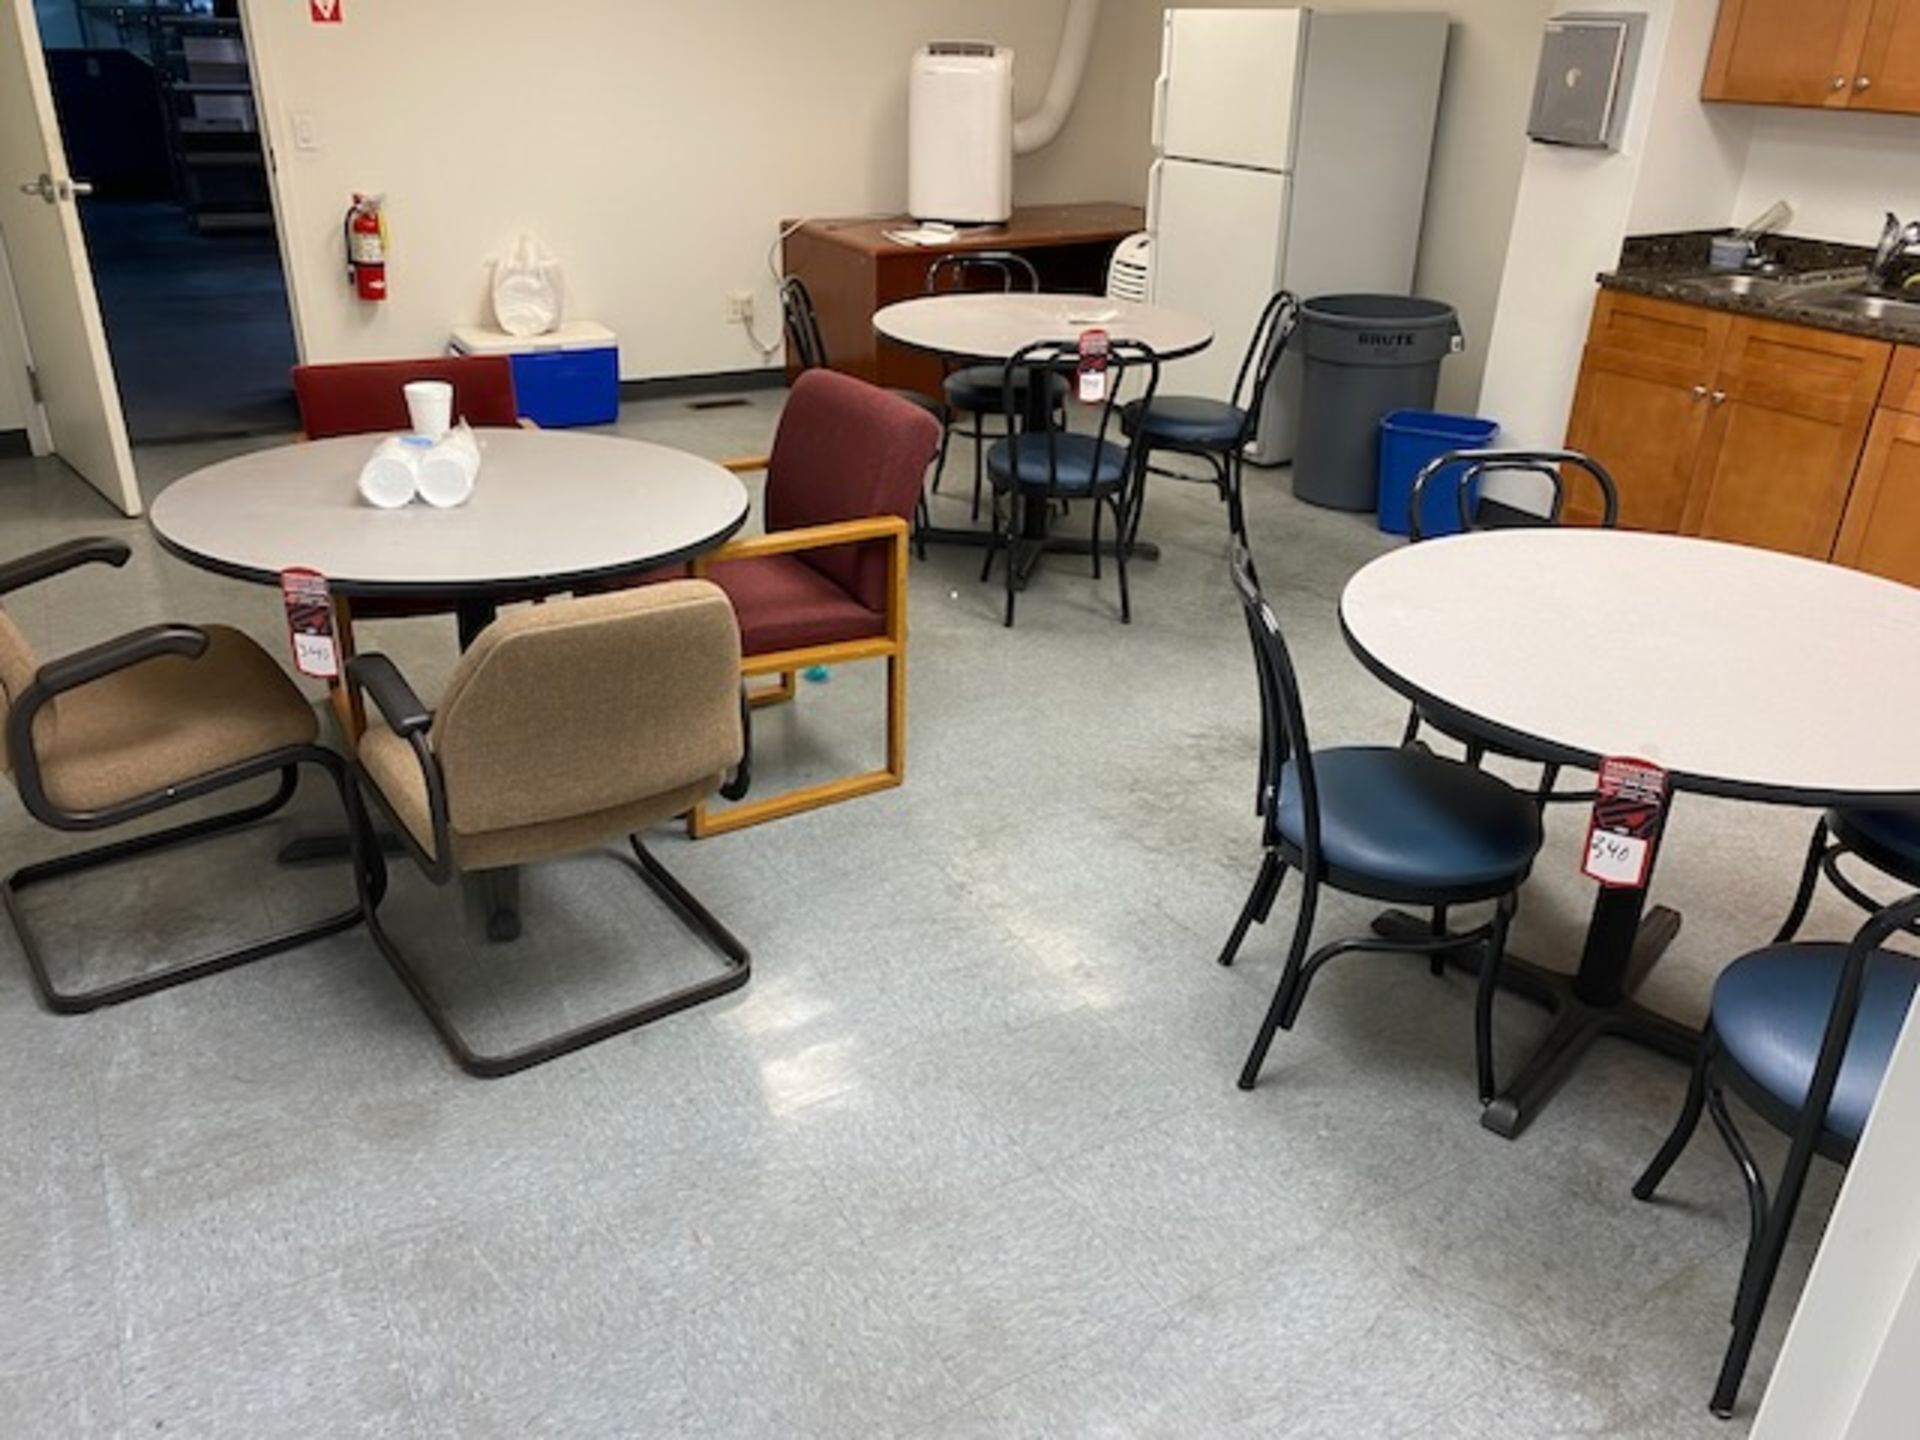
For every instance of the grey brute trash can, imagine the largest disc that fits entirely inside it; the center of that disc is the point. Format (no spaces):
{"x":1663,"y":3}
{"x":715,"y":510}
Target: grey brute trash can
{"x":1363,"y":356}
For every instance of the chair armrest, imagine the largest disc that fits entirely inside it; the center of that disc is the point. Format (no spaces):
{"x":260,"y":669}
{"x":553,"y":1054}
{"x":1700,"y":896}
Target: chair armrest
{"x":736,"y":786}
{"x":746,"y":464}
{"x":806,"y":537}
{"x":380,"y":680}
{"x":70,"y":672}
{"x":68,"y":555}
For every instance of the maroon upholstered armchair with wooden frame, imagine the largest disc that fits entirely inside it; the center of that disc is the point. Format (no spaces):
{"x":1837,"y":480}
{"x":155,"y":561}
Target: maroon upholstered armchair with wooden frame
{"x":827,"y":583}
{"x":368,"y":397}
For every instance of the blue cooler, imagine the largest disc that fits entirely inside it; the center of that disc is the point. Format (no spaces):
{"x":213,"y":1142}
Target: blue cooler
{"x":1409,"y":439}
{"x":568,"y":376}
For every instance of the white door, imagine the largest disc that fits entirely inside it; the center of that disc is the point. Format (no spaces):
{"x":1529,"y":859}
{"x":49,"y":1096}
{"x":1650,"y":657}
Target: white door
{"x":52,"y":278}
{"x":1219,"y":240}
{"x":1229,"y":82}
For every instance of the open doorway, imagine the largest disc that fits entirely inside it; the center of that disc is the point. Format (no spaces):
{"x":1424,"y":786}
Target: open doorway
{"x":157,"y":110}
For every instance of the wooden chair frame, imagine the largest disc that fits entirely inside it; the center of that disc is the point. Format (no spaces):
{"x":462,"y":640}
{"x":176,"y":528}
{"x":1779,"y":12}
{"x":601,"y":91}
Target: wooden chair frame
{"x":890,"y":645}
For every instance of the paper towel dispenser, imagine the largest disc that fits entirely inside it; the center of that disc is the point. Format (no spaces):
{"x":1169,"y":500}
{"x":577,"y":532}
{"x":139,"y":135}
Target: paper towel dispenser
{"x":1585,"y":81}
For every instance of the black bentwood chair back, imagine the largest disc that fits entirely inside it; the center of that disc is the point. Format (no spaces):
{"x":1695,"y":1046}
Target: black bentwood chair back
{"x":1393,"y":824}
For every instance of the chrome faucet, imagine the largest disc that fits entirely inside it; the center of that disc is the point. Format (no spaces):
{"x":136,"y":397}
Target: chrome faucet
{"x":1895,"y":240}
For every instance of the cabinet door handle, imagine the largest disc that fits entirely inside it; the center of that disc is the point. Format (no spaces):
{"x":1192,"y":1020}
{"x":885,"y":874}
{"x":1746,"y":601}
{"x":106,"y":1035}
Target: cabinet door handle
{"x":1719,"y":397}
{"x":1699,"y":392}
{"x":1839,"y":82}
{"x":1862,"y":83}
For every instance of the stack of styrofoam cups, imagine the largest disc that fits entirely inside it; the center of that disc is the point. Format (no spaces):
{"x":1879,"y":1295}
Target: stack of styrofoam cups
{"x":437,"y":462}
{"x":447,"y":469}
{"x":391,"y":475}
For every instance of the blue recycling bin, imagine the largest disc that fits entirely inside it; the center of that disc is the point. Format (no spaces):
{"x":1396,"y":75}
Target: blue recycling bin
{"x":1408,"y":440}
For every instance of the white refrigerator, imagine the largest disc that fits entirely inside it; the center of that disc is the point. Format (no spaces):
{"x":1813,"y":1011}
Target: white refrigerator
{"x":1291,"y":150}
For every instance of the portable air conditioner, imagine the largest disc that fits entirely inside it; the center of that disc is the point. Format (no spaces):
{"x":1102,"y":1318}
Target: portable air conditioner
{"x":1130,"y":271}
{"x":960,"y":133}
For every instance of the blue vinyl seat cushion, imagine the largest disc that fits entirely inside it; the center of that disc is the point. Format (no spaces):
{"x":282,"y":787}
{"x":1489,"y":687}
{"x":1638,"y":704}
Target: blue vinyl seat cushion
{"x":1189,"y":421}
{"x":1888,"y":837}
{"x":981,"y":388}
{"x":1080,"y":463}
{"x":1770,"y":1012}
{"x":1408,"y":818}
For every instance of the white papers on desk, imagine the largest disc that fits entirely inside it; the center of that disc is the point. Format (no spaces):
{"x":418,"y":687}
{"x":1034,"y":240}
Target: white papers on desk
{"x":922,"y":235}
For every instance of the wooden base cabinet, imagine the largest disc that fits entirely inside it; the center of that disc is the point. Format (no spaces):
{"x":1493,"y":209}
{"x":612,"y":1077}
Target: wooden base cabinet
{"x":1787,"y":415}
{"x":1641,"y":408}
{"x":1730,"y":427}
{"x":1881,"y":531}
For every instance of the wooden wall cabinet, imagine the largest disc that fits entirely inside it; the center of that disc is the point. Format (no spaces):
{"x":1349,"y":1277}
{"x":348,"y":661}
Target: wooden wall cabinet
{"x":1725,"y":426}
{"x":1881,"y":531}
{"x":1835,"y":54}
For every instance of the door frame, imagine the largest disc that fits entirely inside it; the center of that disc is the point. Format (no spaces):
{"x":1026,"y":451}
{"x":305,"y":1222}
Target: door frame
{"x":260,"y":74}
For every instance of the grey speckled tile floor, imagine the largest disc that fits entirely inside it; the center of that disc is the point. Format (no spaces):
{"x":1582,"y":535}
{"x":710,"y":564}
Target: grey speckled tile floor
{"x":964,"y":1159}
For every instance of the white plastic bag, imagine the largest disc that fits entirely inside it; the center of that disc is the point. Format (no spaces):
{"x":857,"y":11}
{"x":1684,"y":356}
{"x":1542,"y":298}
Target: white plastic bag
{"x":527,"y":289}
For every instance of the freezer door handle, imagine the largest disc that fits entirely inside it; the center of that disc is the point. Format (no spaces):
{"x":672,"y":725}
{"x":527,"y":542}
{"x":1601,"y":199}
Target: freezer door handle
{"x":1153,"y":196}
{"x":1159,"y":108}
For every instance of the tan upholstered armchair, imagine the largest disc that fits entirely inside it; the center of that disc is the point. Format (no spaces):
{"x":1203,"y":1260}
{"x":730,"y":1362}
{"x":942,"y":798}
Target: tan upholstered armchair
{"x":565,"y":726}
{"x":138,"y":724}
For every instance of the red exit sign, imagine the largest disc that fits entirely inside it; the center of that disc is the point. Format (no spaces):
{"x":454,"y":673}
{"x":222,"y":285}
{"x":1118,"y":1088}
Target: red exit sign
{"x":324,"y":12}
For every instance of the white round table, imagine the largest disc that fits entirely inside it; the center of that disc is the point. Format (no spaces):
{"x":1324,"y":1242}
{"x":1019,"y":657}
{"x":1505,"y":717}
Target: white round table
{"x":992,"y":326}
{"x":551,"y":510}
{"x":1742,"y":672}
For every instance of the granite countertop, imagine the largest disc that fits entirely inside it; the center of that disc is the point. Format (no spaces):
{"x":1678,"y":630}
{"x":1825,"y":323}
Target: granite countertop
{"x":1671,"y":267}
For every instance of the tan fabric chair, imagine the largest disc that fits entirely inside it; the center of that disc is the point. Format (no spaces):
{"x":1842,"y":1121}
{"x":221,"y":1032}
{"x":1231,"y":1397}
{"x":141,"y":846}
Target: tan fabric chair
{"x":137,"y":724}
{"x":564,"y":726}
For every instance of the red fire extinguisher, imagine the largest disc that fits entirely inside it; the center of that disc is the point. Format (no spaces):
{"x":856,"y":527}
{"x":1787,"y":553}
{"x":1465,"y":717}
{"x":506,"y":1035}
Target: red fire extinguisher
{"x":366,"y":231}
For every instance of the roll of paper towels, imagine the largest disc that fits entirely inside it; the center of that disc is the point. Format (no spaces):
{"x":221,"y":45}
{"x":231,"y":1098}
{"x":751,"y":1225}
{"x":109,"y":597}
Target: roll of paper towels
{"x":448,"y":469}
{"x":391,"y":475}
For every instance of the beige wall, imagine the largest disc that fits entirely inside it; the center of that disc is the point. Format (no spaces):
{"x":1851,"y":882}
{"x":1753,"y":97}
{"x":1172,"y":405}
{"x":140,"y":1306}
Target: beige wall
{"x":652,"y":145}
{"x":1478,"y":146}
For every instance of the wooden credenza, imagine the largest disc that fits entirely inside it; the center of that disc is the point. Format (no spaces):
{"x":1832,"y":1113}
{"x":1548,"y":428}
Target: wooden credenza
{"x":852,"y":269}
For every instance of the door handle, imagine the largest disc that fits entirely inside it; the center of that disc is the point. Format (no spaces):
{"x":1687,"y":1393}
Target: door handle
{"x":53,"y":191}
{"x":1719,"y":397}
{"x":1839,"y":82}
{"x":1699,"y":392}
{"x":1862,"y":83}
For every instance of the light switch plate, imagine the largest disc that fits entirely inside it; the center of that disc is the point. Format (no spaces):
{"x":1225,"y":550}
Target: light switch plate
{"x":306,"y":136}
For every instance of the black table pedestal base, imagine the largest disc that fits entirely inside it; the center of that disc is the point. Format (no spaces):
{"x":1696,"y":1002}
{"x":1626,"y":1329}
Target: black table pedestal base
{"x":1578,"y":1020}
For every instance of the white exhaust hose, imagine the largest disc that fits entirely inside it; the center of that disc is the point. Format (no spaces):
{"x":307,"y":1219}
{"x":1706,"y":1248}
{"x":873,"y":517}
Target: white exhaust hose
{"x":1030,"y":132}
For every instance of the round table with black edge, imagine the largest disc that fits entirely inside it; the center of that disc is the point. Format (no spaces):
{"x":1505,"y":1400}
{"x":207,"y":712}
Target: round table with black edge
{"x":991,"y":326}
{"x":1746,"y":674}
{"x":552,"y":511}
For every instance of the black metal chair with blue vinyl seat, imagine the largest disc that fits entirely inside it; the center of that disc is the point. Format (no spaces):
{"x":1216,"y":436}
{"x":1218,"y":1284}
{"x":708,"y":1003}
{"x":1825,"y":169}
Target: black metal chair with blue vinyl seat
{"x":1804,"y":1034}
{"x":1041,"y":467}
{"x":976,"y":390}
{"x":1886,"y":838}
{"x":1395,"y":824}
{"x":1217,"y":431}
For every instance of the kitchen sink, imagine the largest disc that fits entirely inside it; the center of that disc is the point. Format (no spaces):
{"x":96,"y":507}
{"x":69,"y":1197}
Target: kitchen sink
{"x":1757,"y":285}
{"x":1871,"y":307}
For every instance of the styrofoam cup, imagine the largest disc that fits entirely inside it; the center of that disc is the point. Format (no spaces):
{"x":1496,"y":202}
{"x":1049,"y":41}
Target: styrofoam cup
{"x":429,"y":407}
{"x":448,"y":469}
{"x":392,"y":473}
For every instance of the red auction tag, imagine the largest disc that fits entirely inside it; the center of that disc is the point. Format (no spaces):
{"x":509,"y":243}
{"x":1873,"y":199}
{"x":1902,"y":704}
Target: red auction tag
{"x":309,"y":604}
{"x":1091,"y":374}
{"x":1627,"y":812}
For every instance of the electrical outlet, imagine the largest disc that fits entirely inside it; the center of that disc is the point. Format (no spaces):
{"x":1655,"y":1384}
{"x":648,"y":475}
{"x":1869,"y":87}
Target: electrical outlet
{"x":740,"y":307}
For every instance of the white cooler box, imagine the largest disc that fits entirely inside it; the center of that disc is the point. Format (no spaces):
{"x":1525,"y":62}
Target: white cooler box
{"x":568,"y":376}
